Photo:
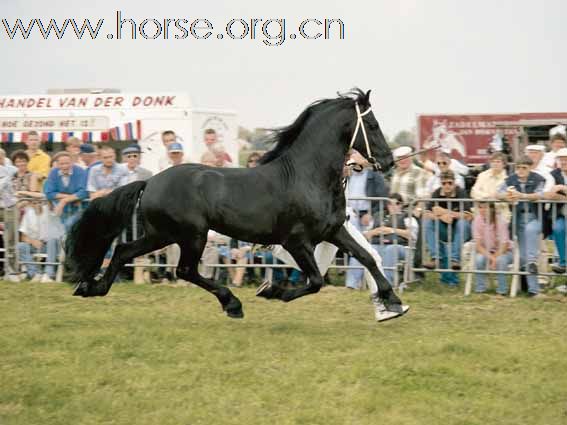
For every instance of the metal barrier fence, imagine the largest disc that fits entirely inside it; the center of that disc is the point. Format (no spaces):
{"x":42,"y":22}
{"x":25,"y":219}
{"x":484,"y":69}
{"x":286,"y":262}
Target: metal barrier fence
{"x":439,"y":237}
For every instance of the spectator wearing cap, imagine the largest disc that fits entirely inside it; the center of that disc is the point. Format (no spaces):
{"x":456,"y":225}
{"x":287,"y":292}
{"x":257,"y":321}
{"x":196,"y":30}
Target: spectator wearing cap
{"x":175,"y":154}
{"x":66,"y":188}
{"x":559,"y":193}
{"x":521,"y":188}
{"x":88,"y":156}
{"x":106,"y":176}
{"x":443,"y":164}
{"x":535,"y":153}
{"x":408,"y":180}
{"x":557,"y":141}
{"x":131,"y":156}
{"x":447,"y":226}
{"x":167,"y":138}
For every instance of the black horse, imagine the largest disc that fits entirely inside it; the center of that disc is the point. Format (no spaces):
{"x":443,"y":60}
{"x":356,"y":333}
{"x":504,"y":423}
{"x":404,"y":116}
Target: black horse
{"x":294,"y":198}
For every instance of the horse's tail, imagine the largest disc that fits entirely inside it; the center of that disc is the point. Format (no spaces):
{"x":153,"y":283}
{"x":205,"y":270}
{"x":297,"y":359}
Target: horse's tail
{"x":91,"y":236}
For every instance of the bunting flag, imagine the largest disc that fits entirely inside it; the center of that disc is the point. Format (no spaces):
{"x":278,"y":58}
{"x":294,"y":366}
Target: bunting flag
{"x":87,"y":136}
{"x":115,"y":133}
{"x":7,"y":137}
{"x":104,"y":136}
{"x":24,"y":136}
{"x":138,"y":130}
{"x":128,"y":131}
{"x":65,"y":135}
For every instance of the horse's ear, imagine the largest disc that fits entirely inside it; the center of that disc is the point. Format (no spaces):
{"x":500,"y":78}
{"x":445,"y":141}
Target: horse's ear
{"x":367,"y":97}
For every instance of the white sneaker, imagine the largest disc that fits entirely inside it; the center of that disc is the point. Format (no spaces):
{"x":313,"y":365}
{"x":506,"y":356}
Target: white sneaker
{"x":382,"y":314}
{"x":36,"y":278}
{"x":46,"y":279}
{"x":12,"y":278}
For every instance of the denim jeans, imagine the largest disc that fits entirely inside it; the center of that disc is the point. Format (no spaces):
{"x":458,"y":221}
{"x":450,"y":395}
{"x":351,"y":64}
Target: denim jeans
{"x":26,"y":251}
{"x":528,"y":229}
{"x":502,"y":263}
{"x":391,"y":255}
{"x":460,"y":233}
{"x":559,"y":238}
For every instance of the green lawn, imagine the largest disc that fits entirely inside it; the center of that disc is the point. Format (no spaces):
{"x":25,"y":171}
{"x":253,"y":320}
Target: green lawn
{"x":167,"y":355}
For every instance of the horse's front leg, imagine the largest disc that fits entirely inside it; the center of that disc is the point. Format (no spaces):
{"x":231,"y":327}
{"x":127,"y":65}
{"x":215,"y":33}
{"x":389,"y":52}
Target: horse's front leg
{"x":346,"y":243}
{"x":302,"y":253}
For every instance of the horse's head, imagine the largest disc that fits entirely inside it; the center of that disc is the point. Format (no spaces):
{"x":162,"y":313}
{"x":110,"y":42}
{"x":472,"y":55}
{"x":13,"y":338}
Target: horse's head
{"x":367,"y":137}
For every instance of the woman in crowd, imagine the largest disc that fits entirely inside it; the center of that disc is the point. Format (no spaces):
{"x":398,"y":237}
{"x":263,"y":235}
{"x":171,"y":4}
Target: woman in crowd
{"x":493,"y":246}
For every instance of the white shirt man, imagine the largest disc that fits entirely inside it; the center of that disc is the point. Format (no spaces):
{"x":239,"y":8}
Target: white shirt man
{"x":535,"y":153}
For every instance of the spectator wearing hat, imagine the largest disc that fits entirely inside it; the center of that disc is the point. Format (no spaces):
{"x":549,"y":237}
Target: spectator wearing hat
{"x":443,"y":164}
{"x":408,"y":180}
{"x":557,"y":141}
{"x":559,"y":192}
{"x":131,"y":156}
{"x":175,"y":154}
{"x":88,"y":156}
{"x":521,"y":188}
{"x":167,"y":138}
{"x":447,"y":224}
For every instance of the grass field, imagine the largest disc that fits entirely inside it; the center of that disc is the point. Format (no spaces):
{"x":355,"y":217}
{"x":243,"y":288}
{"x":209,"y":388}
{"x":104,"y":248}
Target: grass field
{"x":167,"y":355}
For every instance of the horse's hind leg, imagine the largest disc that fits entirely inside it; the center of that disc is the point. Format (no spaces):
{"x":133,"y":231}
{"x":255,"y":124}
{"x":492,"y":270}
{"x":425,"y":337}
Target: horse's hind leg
{"x":122,"y":254}
{"x":188,"y":269}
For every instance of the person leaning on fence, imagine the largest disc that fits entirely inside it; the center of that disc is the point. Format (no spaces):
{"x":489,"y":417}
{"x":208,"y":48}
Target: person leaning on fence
{"x":492,"y":245}
{"x":24,"y":181}
{"x":9,"y":218}
{"x":66,"y":188}
{"x":391,"y":234}
{"x":520,"y":189}
{"x":447,"y":223}
{"x":559,"y":211}
{"x":37,"y":238}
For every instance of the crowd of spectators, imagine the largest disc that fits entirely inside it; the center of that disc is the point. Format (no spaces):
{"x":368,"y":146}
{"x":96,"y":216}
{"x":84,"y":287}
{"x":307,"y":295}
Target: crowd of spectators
{"x":42,"y":196}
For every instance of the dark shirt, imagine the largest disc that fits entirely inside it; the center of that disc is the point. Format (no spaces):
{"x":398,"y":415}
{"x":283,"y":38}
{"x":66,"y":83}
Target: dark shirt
{"x":453,"y":206}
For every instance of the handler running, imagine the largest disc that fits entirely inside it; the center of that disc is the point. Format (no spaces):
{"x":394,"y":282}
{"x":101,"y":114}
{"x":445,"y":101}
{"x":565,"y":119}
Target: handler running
{"x":326,"y":252}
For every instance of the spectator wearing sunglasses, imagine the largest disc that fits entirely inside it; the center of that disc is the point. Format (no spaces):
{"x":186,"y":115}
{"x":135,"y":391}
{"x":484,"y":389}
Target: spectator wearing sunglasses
{"x":131,"y":156}
{"x":520,"y":188}
{"x":447,"y":227}
{"x":443,"y":163}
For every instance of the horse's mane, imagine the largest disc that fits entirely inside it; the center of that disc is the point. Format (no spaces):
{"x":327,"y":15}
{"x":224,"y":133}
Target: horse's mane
{"x":284,"y":137}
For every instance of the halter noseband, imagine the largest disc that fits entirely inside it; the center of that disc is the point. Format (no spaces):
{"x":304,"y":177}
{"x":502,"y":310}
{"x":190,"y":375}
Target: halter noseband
{"x":360,"y":126}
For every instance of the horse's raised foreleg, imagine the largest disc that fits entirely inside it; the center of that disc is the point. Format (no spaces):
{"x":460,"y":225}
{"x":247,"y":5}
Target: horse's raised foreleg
{"x":303,"y":256}
{"x":188,"y":269}
{"x":346,"y":243}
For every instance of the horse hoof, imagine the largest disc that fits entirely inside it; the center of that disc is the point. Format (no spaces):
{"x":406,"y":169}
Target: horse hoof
{"x":235,"y":314}
{"x":265,"y":290}
{"x":81,"y":290}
